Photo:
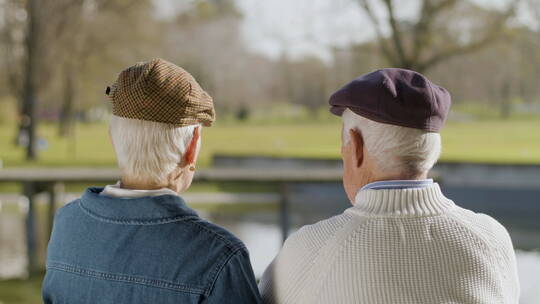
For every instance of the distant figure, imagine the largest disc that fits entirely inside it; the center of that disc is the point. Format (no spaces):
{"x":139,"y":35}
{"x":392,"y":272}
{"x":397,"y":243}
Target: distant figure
{"x":137,"y":241}
{"x":403,"y":241}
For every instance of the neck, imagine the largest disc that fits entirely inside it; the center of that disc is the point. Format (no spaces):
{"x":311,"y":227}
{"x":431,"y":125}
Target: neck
{"x":386,"y":177}
{"x":128,"y":183}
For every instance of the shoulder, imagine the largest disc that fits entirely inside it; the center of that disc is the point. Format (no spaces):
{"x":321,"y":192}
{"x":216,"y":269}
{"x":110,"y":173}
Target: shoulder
{"x":497,"y":244}
{"x":315,"y":236}
{"x":298,"y":254}
{"x":219,"y":236}
{"x":226,"y":257}
{"x":480,"y":223}
{"x":67,"y":211}
{"x":213,"y":243}
{"x":485,"y":229}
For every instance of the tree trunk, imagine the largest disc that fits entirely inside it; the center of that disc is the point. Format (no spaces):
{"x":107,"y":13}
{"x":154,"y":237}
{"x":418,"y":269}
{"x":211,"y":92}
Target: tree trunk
{"x":505,"y":101}
{"x":65,"y":126}
{"x":28,"y":121}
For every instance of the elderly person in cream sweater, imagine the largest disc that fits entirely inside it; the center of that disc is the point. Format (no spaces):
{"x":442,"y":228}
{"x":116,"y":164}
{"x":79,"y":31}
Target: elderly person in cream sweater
{"x":403,"y":241}
{"x":137,"y":241}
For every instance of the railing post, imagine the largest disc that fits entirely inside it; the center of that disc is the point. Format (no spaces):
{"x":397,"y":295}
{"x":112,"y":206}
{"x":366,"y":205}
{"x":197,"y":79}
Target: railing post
{"x":29,"y":190}
{"x":284,"y":206}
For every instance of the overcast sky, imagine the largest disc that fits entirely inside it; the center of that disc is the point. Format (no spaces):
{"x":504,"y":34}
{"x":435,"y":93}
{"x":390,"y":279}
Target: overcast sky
{"x":300,"y":27}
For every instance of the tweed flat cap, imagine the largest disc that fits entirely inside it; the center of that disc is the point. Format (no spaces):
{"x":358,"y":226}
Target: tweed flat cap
{"x":160,"y":91}
{"x":395,"y":96}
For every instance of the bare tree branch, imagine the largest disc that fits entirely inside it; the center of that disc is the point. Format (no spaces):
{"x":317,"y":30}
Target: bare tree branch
{"x":378,"y":32}
{"x":423,"y":30}
{"x":494,"y":33}
{"x":421,"y":35}
{"x":396,"y":32}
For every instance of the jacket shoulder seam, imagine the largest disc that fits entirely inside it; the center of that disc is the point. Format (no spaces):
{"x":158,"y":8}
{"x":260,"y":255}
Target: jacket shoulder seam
{"x":231,"y":245}
{"x":142,"y":222}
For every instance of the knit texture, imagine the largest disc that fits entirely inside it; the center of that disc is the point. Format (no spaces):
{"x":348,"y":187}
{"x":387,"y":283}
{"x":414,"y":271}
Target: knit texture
{"x":160,"y":91}
{"x":406,"y":246}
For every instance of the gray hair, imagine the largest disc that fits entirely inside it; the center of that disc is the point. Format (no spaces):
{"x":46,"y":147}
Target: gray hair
{"x":395,"y":149}
{"x":146,"y":150}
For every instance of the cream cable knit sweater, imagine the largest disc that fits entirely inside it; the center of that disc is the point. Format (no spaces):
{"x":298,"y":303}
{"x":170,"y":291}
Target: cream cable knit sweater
{"x":406,"y":246}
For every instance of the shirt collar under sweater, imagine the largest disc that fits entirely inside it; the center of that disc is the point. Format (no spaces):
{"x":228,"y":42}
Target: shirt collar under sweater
{"x":412,"y":202}
{"x":398,"y":184}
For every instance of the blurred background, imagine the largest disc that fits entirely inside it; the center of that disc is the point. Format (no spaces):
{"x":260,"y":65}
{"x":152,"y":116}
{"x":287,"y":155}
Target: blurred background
{"x":270,"y":66}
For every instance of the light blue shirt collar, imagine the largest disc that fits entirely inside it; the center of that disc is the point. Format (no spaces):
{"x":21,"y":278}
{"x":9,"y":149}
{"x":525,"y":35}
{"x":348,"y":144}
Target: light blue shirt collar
{"x":398,"y":184}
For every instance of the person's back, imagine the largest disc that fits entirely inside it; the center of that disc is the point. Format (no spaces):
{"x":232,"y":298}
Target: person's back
{"x":143,"y":250}
{"x":403,"y":241}
{"x":407,"y":246}
{"x":137,"y":241}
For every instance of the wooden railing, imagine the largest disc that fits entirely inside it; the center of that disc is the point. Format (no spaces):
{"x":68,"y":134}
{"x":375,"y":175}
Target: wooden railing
{"x":51,"y":181}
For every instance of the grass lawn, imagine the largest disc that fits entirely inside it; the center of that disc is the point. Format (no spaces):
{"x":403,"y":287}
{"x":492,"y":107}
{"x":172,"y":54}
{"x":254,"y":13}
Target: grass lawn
{"x":511,"y":141}
{"x":21,"y":291}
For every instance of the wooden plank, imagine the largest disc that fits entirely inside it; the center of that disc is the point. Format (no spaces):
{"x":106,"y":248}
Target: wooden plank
{"x":48,"y":175}
{"x":58,"y":174}
{"x":194,"y":199}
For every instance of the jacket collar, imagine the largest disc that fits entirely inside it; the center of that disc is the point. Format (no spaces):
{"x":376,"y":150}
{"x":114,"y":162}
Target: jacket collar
{"x":140,"y":209}
{"x":117,"y":191}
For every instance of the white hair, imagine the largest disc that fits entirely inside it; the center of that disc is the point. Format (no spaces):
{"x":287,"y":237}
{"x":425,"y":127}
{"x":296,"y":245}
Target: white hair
{"x":147,"y":150}
{"x":395,"y":149}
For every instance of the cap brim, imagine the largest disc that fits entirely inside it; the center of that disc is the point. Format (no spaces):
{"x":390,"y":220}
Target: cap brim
{"x":337,"y":110}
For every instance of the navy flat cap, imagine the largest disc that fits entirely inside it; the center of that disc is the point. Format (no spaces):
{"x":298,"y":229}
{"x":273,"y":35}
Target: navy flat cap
{"x":397,"y":97}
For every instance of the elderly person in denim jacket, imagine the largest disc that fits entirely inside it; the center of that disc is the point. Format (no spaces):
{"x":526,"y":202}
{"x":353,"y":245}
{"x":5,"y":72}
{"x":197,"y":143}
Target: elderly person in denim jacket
{"x":137,"y":241}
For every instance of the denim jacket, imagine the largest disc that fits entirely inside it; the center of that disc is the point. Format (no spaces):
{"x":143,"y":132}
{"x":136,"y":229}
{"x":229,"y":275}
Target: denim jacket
{"x":143,"y":250}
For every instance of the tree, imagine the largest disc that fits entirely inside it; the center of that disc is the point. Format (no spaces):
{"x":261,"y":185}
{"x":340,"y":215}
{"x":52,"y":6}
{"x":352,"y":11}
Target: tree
{"x":503,"y":77}
{"x":42,"y":24}
{"x":85,"y":45}
{"x":32,"y":51}
{"x":305,"y":81}
{"x":61,"y":56}
{"x":206,"y":40}
{"x":443,"y":29}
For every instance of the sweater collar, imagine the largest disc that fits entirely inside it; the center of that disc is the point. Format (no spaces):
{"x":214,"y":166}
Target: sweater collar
{"x":403,"y":202}
{"x":149,"y":208}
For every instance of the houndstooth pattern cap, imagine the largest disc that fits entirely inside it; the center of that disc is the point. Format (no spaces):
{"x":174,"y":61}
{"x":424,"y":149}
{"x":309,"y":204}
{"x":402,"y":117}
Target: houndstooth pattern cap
{"x":161,"y":91}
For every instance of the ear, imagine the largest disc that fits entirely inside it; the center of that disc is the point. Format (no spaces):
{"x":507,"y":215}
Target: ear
{"x":189,"y":155}
{"x":357,"y":142}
